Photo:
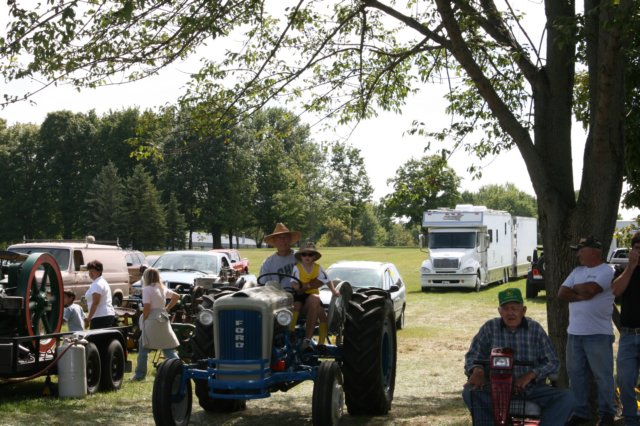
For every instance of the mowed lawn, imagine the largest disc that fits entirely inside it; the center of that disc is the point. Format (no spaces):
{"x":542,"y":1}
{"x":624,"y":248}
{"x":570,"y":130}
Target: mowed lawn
{"x":439,"y":328}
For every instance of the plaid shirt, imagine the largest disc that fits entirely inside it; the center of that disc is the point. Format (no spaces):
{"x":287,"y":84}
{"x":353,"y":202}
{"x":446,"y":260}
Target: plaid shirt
{"x":529,"y":342}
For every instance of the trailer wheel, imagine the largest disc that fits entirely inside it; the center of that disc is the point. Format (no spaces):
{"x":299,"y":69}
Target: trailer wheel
{"x":369,"y":359}
{"x":113,"y":367}
{"x":93,"y":367}
{"x":328,"y":395}
{"x":170,"y":408}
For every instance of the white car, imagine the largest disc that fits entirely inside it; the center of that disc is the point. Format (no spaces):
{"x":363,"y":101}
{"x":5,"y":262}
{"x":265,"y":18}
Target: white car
{"x":371,"y":274}
{"x":179,"y":269}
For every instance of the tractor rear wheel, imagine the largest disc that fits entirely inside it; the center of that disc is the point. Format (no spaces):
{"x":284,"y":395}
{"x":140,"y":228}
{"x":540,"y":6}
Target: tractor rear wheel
{"x":169,"y":407}
{"x":369,"y":359}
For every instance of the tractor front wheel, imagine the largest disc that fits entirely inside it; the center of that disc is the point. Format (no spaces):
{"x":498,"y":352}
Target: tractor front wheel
{"x":328,"y":395}
{"x":170,"y":406}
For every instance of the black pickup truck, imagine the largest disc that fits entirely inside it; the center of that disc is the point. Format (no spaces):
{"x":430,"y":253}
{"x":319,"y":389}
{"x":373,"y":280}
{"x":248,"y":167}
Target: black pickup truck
{"x":535,"y":276}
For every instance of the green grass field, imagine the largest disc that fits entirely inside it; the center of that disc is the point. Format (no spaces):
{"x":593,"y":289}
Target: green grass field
{"x":440,"y":325}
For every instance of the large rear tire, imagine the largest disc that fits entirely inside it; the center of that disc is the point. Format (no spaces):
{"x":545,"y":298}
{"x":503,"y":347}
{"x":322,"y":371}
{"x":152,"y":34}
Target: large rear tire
{"x":169,"y":409}
{"x":328,"y":395}
{"x":370,"y":346}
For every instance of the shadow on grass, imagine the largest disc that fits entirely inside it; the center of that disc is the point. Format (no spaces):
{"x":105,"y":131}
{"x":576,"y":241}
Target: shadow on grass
{"x":446,"y":409}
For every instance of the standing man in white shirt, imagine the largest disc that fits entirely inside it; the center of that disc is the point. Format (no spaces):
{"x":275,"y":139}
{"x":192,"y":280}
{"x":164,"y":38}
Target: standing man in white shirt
{"x":590,"y":333}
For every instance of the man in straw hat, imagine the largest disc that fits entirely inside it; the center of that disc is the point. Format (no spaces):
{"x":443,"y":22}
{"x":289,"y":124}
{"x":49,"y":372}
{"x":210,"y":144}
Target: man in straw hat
{"x":283,"y":260}
{"x":530,"y":343}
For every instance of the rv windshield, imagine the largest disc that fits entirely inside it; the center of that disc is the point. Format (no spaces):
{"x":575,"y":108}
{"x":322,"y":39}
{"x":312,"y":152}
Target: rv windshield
{"x":440,"y":240}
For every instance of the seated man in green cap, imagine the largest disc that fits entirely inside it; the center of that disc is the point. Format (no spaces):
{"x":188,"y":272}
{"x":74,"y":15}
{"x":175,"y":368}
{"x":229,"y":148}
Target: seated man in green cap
{"x":530,"y":344}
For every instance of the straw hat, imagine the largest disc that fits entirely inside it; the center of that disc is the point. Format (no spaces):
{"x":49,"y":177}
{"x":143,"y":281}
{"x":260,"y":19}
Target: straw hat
{"x":280,"y":229}
{"x":309,"y":247}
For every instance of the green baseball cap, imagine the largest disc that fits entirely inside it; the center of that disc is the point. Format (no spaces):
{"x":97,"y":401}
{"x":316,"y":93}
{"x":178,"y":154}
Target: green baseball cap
{"x":510,"y":295}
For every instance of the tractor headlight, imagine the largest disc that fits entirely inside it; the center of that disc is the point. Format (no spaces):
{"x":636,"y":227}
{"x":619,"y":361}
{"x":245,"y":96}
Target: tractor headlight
{"x":205,"y":317}
{"x":425,"y":270}
{"x":468,"y":270}
{"x":501,"y":362}
{"x":284,"y":317}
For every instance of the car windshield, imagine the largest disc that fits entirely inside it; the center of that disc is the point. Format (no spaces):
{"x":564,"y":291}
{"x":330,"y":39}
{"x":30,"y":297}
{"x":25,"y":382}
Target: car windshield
{"x":60,"y":255}
{"x":187,"y":262}
{"x":357,"y":277}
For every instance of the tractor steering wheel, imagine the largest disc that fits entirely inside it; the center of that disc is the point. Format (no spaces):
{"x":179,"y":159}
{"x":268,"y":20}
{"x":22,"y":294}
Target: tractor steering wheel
{"x":280,"y":276}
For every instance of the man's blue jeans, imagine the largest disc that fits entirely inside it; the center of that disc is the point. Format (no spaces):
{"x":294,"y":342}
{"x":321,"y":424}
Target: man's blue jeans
{"x":143,"y":354}
{"x":556,"y":403}
{"x":628,"y":363}
{"x":591,"y":356}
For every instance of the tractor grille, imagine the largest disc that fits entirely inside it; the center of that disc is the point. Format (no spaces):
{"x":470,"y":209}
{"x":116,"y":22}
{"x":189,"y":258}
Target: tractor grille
{"x":445,"y":263}
{"x":240,"y":335}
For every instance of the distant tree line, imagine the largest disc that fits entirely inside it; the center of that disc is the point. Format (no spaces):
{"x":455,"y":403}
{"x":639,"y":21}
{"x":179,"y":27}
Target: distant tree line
{"x":150,"y":179}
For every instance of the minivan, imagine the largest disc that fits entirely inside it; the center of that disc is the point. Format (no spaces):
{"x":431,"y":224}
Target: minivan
{"x":72,"y":258}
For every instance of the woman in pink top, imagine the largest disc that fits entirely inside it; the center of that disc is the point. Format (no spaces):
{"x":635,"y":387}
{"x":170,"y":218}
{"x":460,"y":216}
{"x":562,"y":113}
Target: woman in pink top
{"x":154,"y":321}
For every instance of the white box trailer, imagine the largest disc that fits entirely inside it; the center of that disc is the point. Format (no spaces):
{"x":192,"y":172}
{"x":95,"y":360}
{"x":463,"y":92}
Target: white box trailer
{"x":525,"y":237}
{"x":472,"y":246}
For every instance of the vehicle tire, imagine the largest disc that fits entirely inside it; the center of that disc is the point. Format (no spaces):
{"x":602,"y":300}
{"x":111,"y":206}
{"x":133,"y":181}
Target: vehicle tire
{"x":168,"y":410}
{"x":400,"y":322}
{"x":93,"y":367}
{"x":478,"y":285}
{"x":116,"y":300}
{"x":112,"y":367}
{"x":369,"y":353}
{"x":202,"y":340}
{"x":530,"y":290}
{"x":328,"y":395}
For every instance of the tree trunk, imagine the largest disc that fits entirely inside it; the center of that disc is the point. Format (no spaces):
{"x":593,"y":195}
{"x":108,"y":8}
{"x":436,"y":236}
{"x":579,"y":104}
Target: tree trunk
{"x":216,"y":236}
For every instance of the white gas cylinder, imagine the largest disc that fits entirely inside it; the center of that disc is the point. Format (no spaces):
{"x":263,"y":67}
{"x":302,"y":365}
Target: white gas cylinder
{"x":72,"y":371}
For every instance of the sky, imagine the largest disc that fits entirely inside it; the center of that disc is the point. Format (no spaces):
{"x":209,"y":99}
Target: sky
{"x":382,"y":140}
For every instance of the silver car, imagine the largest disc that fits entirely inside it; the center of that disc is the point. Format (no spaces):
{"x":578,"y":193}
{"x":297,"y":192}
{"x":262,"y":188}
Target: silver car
{"x":371,"y":274}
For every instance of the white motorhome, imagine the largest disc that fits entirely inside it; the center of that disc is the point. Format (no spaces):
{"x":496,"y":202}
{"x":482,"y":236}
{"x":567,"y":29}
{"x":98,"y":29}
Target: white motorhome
{"x":472,"y":246}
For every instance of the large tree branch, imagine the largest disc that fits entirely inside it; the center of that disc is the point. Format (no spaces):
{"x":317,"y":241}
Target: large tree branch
{"x":501,"y":111}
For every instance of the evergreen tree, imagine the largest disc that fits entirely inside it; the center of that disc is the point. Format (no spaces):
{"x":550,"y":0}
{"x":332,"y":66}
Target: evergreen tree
{"x":146,"y":223}
{"x":105,"y":214}
{"x":176,"y":225}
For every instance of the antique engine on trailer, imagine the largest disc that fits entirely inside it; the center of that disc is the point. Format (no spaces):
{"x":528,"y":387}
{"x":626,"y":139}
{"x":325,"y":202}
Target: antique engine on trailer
{"x":31,"y":304}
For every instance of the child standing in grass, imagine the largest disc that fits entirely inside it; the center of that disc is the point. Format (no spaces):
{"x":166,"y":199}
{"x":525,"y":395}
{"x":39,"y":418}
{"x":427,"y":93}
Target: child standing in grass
{"x":307,"y":295}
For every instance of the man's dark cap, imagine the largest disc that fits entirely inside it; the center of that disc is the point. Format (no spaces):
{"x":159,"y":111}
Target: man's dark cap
{"x":590,"y":241}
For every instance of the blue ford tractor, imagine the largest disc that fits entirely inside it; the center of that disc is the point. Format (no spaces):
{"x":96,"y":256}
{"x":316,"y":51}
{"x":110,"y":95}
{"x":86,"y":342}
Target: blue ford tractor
{"x":243,"y":350}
